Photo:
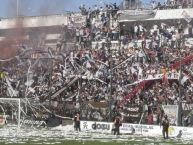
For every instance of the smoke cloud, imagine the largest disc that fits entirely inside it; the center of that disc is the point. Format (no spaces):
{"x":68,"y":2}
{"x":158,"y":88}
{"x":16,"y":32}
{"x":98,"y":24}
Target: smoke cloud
{"x":13,"y":37}
{"x":16,"y":36}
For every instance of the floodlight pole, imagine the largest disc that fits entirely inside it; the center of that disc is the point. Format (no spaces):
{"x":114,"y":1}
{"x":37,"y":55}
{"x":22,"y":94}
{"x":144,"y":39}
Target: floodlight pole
{"x":19,"y":113}
{"x":180,"y":98}
{"x":50,"y":86}
{"x":111,"y":94}
{"x":111,"y":82}
{"x":17,"y":9}
{"x":180,"y":93}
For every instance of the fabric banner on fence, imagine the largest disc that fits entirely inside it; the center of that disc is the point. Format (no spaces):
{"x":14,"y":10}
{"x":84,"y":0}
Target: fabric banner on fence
{"x":132,"y":113}
{"x":169,"y":76}
{"x":172,"y":113}
{"x":160,"y":76}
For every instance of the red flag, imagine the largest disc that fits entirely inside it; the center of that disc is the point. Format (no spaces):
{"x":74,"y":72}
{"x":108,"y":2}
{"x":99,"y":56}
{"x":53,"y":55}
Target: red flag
{"x":165,"y":79}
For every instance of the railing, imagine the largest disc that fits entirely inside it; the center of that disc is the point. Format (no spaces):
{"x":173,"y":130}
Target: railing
{"x":136,"y":12}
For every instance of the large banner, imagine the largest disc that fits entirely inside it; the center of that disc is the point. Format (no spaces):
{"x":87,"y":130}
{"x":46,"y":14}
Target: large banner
{"x":174,"y":76}
{"x":144,"y":130}
{"x":187,"y":106}
{"x":132,"y":113}
{"x":172,"y":112}
{"x":169,"y":76}
{"x":79,"y":20}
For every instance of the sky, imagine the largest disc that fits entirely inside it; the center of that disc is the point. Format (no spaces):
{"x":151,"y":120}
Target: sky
{"x":8,"y":8}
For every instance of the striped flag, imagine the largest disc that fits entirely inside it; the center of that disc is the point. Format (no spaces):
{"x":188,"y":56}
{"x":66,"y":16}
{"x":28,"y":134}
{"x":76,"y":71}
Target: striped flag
{"x":165,"y":79}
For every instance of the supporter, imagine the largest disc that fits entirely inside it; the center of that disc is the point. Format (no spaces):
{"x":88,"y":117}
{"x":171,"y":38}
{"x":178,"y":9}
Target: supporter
{"x":159,"y":6}
{"x":153,"y":3}
{"x":117,"y":124}
{"x":165,"y":125}
{"x":77,"y":122}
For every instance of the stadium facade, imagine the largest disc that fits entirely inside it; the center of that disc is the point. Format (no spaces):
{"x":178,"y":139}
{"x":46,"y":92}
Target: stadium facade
{"x":50,"y":26}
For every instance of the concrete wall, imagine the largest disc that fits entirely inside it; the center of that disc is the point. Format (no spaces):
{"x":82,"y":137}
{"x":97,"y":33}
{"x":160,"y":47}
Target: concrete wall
{"x":163,"y":14}
{"x":56,"y":20}
{"x":173,"y":14}
{"x":39,"y":21}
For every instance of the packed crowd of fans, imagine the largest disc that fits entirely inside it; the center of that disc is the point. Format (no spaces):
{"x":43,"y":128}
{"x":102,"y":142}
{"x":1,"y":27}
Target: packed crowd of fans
{"x":171,"y":4}
{"x":98,"y":79}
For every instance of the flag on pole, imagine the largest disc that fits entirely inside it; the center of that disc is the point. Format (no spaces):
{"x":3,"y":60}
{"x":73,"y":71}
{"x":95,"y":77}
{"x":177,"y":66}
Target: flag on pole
{"x":186,"y":16}
{"x":165,"y":79}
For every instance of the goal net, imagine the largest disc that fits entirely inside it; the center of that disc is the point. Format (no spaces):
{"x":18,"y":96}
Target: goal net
{"x":10,"y":111}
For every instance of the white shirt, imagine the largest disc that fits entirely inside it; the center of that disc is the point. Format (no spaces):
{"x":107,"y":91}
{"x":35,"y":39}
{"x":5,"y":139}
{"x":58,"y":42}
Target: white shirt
{"x":155,"y":27}
{"x":136,"y":29}
{"x":174,"y":37}
{"x":140,"y":28}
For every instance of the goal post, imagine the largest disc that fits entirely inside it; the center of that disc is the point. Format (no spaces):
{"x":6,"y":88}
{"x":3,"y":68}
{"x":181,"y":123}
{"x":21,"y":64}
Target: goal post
{"x":6,"y":103}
